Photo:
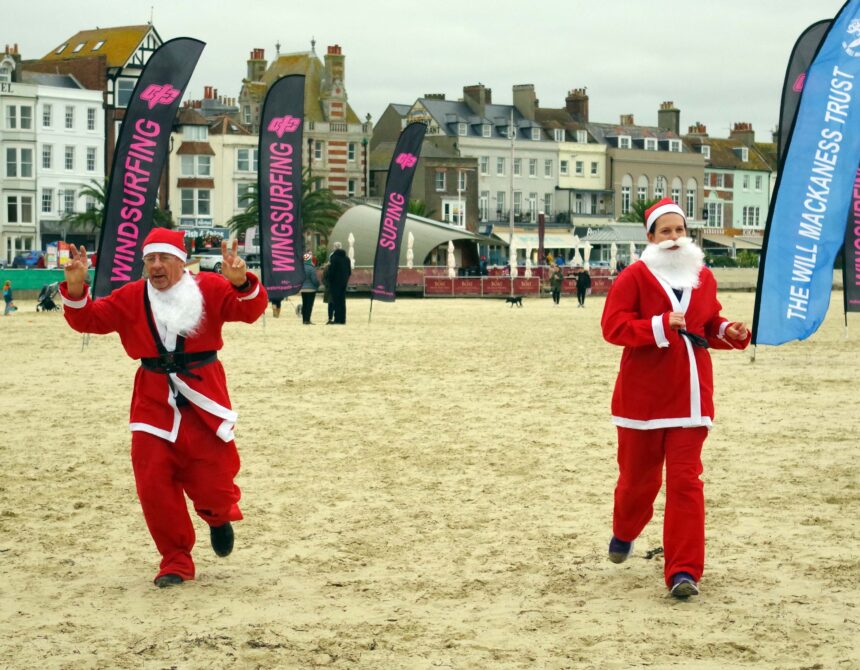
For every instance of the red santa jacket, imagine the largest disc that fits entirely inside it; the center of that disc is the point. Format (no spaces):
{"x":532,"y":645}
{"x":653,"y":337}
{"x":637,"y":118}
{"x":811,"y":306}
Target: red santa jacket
{"x":663,"y":381}
{"x":153,"y":405}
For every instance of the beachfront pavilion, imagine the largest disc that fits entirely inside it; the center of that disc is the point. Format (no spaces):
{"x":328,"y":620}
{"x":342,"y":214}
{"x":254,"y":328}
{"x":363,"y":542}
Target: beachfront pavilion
{"x":429,"y":245}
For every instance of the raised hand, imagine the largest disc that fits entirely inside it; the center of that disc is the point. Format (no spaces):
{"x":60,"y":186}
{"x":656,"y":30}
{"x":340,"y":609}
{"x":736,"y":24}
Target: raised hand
{"x":232,"y":266}
{"x":75,"y":271}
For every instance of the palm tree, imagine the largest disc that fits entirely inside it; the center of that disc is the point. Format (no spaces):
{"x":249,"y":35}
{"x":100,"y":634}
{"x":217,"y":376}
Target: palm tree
{"x":419,"y":208}
{"x":93,"y":217}
{"x":320,"y":211}
{"x":637,"y":211}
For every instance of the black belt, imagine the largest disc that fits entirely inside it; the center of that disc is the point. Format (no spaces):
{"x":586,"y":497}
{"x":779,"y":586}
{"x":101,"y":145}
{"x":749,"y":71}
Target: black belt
{"x":172,"y":362}
{"x":695,"y":340}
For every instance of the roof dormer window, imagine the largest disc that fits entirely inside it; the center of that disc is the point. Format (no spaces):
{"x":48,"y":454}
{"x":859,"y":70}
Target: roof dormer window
{"x":624,"y":142}
{"x":675,"y":145}
{"x":745,"y":154}
{"x":650,"y":144}
{"x":558,"y":134}
{"x":462,"y":129}
{"x":486,"y":131}
{"x":535,"y":134}
{"x":706,"y":151}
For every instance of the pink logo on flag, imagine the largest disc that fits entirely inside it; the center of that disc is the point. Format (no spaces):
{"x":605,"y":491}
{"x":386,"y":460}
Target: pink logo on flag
{"x":284,"y":124}
{"x":159,"y":94}
{"x":405,"y":161}
{"x":798,"y":83}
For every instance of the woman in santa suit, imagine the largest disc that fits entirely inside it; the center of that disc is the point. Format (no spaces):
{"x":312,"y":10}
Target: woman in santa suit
{"x":181,"y":417}
{"x":664,"y":311}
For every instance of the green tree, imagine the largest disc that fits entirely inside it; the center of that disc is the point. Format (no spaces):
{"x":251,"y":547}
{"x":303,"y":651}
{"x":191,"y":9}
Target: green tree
{"x":91,"y":220}
{"x":320,"y":210}
{"x":637,"y":211}
{"x":419,"y":208}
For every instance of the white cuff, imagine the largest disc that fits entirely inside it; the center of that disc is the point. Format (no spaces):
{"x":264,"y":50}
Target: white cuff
{"x":75,"y":304}
{"x":253,"y":294}
{"x":657,"y":329}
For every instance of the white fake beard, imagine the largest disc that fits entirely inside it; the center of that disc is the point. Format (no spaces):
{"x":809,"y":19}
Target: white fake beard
{"x":180,"y":308}
{"x":679,"y":267}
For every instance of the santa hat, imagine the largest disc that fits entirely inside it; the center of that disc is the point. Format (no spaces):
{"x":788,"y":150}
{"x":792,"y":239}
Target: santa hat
{"x":661,"y":207}
{"x":165,"y":241}
{"x":308,"y":257}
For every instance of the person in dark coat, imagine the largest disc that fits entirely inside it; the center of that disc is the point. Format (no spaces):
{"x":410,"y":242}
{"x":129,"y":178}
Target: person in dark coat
{"x":339,"y":271}
{"x":309,"y":288}
{"x":583,"y":283}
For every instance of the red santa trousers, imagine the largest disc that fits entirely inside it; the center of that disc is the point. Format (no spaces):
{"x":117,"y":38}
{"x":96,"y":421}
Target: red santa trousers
{"x":641,"y":454}
{"x":198,"y":464}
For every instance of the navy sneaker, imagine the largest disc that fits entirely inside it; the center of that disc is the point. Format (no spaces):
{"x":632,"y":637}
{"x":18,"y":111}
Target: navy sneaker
{"x":683,"y":585}
{"x":619,"y":550}
{"x":168,"y":580}
{"x":222,"y":539}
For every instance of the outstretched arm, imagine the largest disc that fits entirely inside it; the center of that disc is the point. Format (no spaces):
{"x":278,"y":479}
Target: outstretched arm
{"x":76,"y":272}
{"x":233,"y":267}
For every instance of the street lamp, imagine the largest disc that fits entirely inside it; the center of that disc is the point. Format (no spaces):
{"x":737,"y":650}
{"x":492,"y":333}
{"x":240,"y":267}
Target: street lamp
{"x":366,"y":171}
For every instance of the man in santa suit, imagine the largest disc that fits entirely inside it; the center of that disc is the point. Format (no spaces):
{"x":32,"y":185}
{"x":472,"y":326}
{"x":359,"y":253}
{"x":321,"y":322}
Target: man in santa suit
{"x":181,"y":418}
{"x":664,"y":311}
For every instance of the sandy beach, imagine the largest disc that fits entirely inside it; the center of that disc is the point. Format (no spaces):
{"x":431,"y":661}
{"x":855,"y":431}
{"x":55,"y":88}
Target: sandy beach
{"x":430,"y":490}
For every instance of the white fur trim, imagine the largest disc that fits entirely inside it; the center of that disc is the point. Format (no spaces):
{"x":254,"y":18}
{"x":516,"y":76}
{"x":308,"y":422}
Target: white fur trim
{"x":653,"y":424}
{"x":659,"y":333}
{"x":75,"y":304}
{"x":664,"y":209}
{"x":170,"y":436}
{"x":225,"y":430}
{"x":163,"y":248}
{"x":253,"y":294}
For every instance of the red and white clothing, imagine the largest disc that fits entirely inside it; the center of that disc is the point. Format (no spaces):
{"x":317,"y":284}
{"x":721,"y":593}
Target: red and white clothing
{"x":178,"y":447}
{"x":663,"y":406}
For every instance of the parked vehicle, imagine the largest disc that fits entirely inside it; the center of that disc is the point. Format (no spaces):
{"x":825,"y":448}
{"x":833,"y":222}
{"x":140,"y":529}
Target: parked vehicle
{"x":209,"y":258}
{"x":27,"y":259}
{"x":253,"y":261}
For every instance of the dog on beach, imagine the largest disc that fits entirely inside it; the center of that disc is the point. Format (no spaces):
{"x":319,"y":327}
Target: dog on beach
{"x":514,"y":300}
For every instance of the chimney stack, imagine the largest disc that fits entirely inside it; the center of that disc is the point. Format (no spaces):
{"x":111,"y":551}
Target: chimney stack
{"x":576,"y":104}
{"x":256,"y":64}
{"x":743,"y":132}
{"x":669,"y":117}
{"x":698,"y":129}
{"x":627,"y":120}
{"x":525,"y":100}
{"x":477,"y":97}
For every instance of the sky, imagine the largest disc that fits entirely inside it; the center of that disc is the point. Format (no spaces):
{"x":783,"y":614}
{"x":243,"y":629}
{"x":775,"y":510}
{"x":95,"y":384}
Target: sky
{"x":719,"y":62}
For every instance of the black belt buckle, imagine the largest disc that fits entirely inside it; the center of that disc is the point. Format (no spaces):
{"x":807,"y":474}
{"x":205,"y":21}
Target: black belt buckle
{"x":168,"y":363}
{"x":695,"y":340}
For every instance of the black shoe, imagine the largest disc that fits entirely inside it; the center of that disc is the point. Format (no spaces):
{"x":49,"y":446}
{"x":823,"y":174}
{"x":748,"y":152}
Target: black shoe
{"x":222,"y":539}
{"x":168,"y":580}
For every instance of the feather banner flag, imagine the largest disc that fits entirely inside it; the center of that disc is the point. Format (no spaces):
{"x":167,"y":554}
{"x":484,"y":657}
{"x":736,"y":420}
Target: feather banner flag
{"x":809,"y":210}
{"x":141,"y":150}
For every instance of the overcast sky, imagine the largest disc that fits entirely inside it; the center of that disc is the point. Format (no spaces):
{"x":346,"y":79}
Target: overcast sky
{"x":719,"y":62}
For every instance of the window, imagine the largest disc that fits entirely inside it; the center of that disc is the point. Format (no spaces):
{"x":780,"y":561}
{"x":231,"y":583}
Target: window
{"x":91,"y":159}
{"x":196,"y":166}
{"x":582,"y":136}
{"x":750,"y":217}
{"x":318,"y":150}
{"x":78,"y":47}
{"x":577,"y":207}
{"x":19,"y":162}
{"x":47,"y":156}
{"x":70,"y":117}
{"x":195,"y":133}
{"x":642,"y":188}
{"x":676,"y":195}
{"x":580,"y":168}
{"x":558,"y":134}
{"x":242,"y":190}
{"x":758,"y":182}
{"x":47,"y":200}
{"x":124,"y":89}
{"x":593,"y":168}
{"x":518,"y":167}
{"x":715,"y":214}
{"x":500,"y":167}
{"x":484,"y":206}
{"x":706,"y":151}
{"x":535,"y":134}
{"x":659,"y":187}
{"x":5,"y":73}
{"x":562,"y":168}
{"x":518,"y":202}
{"x":486,"y":130}
{"x":91,"y":118}
{"x":691,"y":203}
{"x":461,"y":181}
{"x":90,"y":203}
{"x":650,"y":144}
{"x":19,"y":117}
{"x":246,"y":114}
{"x":47,"y":114}
{"x":69,"y":158}
{"x":718,"y":180}
{"x":624,"y":142}
{"x":484,"y":163}
{"x":350,"y":152}
{"x":532,"y":167}
{"x":462,"y":129}
{"x":98,"y":45}
{"x":246,"y":160}
{"x":533,"y":206}
{"x":19,"y":209}
{"x":547,"y":203}
{"x":675,"y":145}
{"x":195,"y":202}
{"x":350,"y":188}
{"x":547,"y":168}
{"x":746,"y":182}
{"x":745,"y":154}
{"x":440,"y":180}
{"x":69,"y":197}
{"x":500,"y":204}
{"x":625,"y":199}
